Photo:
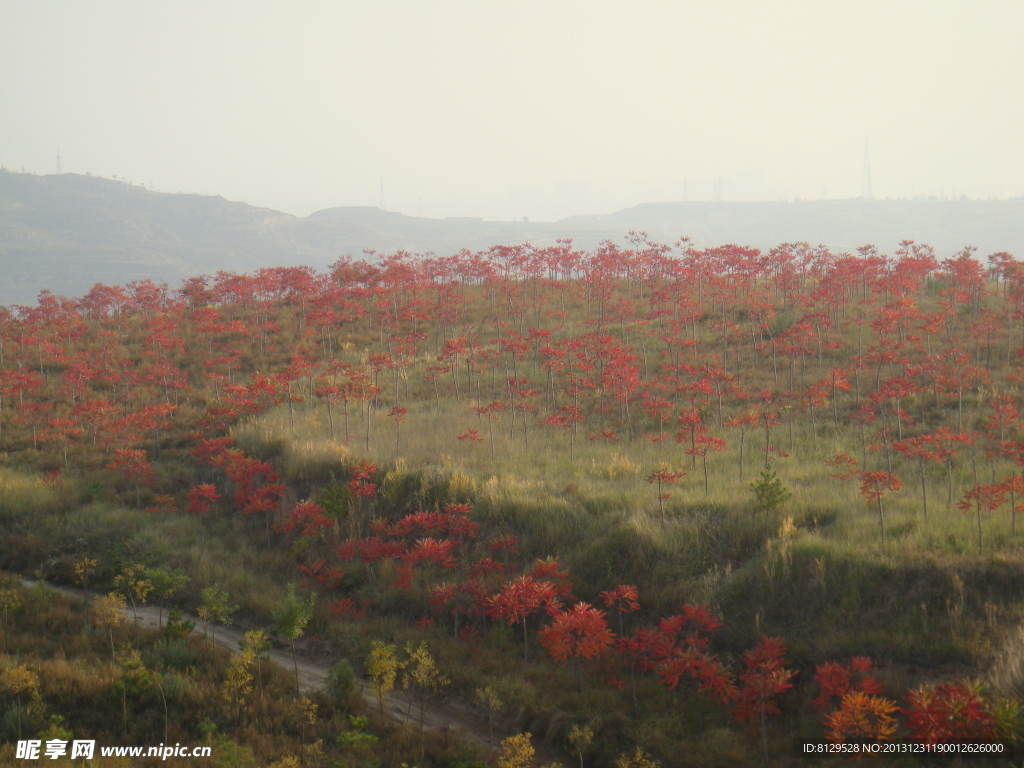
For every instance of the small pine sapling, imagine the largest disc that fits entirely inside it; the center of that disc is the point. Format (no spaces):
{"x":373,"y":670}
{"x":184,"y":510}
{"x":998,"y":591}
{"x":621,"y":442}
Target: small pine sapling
{"x":769,"y":491}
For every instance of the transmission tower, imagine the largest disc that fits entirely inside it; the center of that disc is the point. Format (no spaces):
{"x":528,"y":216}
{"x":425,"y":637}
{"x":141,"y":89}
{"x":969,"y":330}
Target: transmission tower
{"x":60,"y":168}
{"x":865,"y":182}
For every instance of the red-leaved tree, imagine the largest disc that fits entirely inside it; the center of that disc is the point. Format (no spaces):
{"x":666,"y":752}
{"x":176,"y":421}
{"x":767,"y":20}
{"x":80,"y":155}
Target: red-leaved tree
{"x":765,"y":679}
{"x":873,"y":486}
{"x":136,"y":468}
{"x":580,"y":632}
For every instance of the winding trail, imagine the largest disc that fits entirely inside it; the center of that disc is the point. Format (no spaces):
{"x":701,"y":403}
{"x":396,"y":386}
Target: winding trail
{"x":452,"y":716}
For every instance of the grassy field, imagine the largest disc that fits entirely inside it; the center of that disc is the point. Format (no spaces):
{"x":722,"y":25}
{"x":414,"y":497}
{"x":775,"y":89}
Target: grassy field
{"x":814,"y":570}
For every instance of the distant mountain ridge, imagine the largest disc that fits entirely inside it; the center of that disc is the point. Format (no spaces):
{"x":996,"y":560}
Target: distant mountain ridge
{"x":67,"y":232}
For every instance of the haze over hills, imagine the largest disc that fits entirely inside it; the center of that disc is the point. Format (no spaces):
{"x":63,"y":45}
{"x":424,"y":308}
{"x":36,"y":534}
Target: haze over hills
{"x":68,"y":232}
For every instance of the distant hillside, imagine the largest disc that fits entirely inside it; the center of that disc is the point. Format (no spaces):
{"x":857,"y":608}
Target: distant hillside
{"x":69,"y":232}
{"x":843,"y":225}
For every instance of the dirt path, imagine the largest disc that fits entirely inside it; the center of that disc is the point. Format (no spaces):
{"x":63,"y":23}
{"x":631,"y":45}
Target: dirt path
{"x":459,"y":718}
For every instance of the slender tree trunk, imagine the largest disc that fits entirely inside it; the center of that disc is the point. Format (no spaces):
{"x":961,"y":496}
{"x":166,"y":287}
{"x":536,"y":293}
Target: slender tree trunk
{"x":924,"y":489}
{"x":764,"y":736}
{"x":977,"y":506}
{"x":295,"y":664}
{"x":881,"y":518}
{"x":163,"y":696}
{"x":949,"y":483}
{"x":1013,"y":510}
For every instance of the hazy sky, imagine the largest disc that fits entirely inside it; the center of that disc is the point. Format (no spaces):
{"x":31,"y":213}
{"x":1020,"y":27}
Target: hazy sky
{"x":511,"y":109}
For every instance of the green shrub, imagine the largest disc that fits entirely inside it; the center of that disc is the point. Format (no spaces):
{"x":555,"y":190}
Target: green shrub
{"x":176,"y":687}
{"x":335,"y":499}
{"x":177,"y":627}
{"x":768,"y":490}
{"x":341,"y":682}
{"x":94,"y":490}
{"x":174,"y":653}
{"x":16,"y":723}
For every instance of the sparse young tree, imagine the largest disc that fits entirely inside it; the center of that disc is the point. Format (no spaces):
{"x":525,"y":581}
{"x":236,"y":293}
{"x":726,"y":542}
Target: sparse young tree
{"x":83,"y":570}
{"x":490,"y":699}
{"x":290,"y":620}
{"x":18,"y":681}
{"x":134,"y":587}
{"x":135,"y":680}
{"x":256,"y":643}
{"x":423,"y":680}
{"x":215,"y":609}
{"x":238,"y":681}
{"x":108,"y":611}
{"x":165,"y":582}
{"x":664,"y":475}
{"x":382,"y":666}
{"x":10,"y":601}
{"x":580,"y":739}
{"x":873,"y":486}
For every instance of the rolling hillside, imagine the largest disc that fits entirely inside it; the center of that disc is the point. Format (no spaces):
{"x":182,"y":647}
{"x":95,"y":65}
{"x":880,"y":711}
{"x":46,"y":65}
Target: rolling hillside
{"x":65,"y":233}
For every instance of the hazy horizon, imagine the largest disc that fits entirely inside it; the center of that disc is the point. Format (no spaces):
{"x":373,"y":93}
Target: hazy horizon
{"x":463,"y":109}
{"x":918,"y":197}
